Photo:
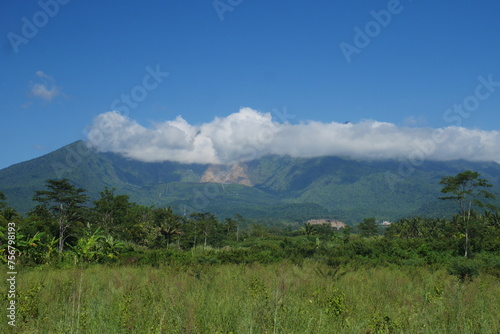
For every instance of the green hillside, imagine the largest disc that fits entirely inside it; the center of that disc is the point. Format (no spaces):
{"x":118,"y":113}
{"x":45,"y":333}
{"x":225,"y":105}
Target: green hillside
{"x":284,"y":188}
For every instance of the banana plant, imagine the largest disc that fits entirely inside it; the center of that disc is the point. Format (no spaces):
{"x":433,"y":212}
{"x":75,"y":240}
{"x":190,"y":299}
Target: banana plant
{"x":3,"y":244}
{"x":51,"y":247}
{"x":111,"y":247}
{"x":87,"y":248}
{"x":33,"y":247}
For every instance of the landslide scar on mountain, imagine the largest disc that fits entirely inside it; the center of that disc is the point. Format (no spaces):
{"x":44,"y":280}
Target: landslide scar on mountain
{"x":234,"y":174}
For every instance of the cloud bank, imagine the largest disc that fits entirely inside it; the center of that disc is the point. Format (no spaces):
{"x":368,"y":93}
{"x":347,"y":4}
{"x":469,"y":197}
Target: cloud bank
{"x":250,"y":134}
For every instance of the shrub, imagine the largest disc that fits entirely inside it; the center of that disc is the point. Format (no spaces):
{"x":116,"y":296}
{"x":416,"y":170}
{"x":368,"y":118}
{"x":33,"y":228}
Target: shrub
{"x":465,"y":269}
{"x":490,"y":263}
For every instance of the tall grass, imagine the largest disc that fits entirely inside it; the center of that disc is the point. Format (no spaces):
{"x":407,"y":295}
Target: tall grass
{"x":275,"y":298}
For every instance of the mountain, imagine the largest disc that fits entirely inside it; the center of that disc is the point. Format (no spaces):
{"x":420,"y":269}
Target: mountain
{"x":270,"y":188}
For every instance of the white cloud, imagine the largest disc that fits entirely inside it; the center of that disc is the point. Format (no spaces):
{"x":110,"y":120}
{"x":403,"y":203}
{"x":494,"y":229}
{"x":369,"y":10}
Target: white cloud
{"x":42,"y":75}
{"x":46,"y":89}
{"x":44,"y":92}
{"x":249,"y":134}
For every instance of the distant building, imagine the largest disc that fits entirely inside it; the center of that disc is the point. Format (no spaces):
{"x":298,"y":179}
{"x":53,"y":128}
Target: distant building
{"x":385,"y":223}
{"x":332,"y":222}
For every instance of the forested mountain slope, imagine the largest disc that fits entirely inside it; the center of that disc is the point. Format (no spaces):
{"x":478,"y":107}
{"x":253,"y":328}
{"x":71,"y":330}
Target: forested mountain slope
{"x":273,"y":187}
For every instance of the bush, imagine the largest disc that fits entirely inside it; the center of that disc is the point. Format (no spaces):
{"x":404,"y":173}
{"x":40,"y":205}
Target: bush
{"x":465,"y":269}
{"x":490,"y":263}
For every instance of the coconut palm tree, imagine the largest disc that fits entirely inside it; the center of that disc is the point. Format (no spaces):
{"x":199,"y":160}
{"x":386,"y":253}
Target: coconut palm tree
{"x":169,"y":231}
{"x":309,"y":229}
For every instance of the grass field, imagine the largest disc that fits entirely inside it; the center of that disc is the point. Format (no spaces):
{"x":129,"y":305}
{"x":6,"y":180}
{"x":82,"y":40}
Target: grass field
{"x":275,"y":298}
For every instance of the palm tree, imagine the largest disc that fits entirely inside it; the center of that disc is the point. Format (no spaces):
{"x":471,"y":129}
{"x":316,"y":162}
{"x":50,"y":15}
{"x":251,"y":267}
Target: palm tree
{"x":493,"y":218}
{"x":309,"y":229}
{"x":168,"y":231}
{"x":414,"y":227}
{"x":10,"y":214}
{"x":168,"y":223}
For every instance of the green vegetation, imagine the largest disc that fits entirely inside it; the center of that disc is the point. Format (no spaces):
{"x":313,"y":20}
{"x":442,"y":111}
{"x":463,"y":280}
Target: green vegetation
{"x":284,"y":188}
{"x":466,"y":189}
{"x":114,"y":266}
{"x":276,"y":298}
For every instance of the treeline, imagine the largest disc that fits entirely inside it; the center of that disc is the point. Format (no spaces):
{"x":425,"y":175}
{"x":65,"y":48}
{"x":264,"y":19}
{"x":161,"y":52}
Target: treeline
{"x":65,"y":227}
{"x":65,"y":221}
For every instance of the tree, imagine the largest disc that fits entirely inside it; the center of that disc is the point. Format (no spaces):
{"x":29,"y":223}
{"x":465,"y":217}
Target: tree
{"x":239,"y":222}
{"x":308,"y":229}
{"x":140,"y":227}
{"x":6,"y":212}
{"x":466,"y":189}
{"x":112,"y":212}
{"x":346,"y":233}
{"x":491,"y":234}
{"x":40,"y":219}
{"x":10,"y":214}
{"x":368,"y":227}
{"x":65,"y":202}
{"x":207,"y":221}
{"x":3,"y":198}
{"x":168,"y":223}
{"x":231,"y":226}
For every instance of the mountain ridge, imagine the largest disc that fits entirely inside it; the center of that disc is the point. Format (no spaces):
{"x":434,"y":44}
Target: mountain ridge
{"x":272,"y":187}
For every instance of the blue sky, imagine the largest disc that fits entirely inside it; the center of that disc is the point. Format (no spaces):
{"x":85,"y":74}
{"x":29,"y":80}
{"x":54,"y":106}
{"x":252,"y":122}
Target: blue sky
{"x":265,"y":55}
